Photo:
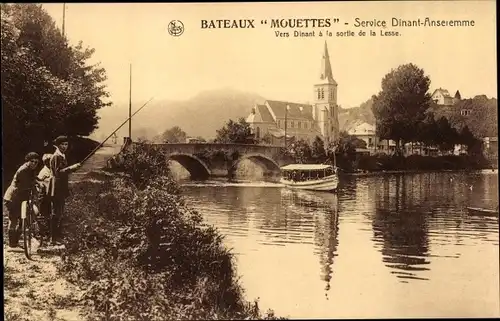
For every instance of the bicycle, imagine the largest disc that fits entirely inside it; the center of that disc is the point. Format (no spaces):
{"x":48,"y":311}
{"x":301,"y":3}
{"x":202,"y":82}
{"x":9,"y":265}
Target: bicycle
{"x":30,"y":217}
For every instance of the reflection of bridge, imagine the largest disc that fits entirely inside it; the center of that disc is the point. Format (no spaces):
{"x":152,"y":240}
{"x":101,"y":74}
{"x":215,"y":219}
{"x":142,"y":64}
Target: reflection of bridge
{"x":203,"y":160}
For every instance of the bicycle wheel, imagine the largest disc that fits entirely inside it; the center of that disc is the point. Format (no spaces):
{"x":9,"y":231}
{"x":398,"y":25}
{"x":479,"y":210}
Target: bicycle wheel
{"x":26,"y":218}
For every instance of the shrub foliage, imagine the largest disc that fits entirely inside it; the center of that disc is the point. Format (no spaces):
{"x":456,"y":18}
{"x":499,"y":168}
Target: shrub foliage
{"x":142,"y":254}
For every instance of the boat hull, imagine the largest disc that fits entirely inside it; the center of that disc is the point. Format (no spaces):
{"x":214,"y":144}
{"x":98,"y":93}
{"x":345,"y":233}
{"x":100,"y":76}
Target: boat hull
{"x":482,"y":211}
{"x":328,"y":184}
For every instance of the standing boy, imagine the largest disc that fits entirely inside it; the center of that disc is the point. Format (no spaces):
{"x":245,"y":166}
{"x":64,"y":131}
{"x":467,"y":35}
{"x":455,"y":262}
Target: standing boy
{"x":59,"y":185}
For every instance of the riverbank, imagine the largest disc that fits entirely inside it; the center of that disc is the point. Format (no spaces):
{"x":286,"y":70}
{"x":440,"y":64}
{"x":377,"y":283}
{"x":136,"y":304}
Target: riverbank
{"x":390,"y":172}
{"x":133,"y":250}
{"x":139,"y":253}
{"x":34,"y":290}
{"x":417,"y":163}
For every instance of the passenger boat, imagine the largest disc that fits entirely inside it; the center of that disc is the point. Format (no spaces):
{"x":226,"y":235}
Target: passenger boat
{"x":313,"y":177}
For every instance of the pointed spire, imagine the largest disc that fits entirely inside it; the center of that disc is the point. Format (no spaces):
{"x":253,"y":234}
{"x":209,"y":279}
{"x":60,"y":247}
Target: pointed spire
{"x":326,"y":67}
{"x":457,"y":95}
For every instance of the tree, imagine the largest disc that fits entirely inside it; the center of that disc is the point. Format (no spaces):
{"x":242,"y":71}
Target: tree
{"x":474,"y":145}
{"x":235,"y":133}
{"x":76,"y":89}
{"x":446,"y":135}
{"x":48,"y":88}
{"x":300,"y":151}
{"x":174,"y":135}
{"x":143,"y":134}
{"x":427,"y":132}
{"x":347,"y":144}
{"x":401,"y":104}
{"x":318,"y":152}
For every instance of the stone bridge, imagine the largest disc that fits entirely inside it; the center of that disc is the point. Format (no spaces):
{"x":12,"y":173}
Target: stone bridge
{"x":203,"y":160}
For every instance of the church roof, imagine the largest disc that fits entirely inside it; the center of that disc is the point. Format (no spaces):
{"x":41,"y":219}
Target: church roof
{"x":265,"y":114}
{"x":296,"y":110}
{"x":260,"y":114}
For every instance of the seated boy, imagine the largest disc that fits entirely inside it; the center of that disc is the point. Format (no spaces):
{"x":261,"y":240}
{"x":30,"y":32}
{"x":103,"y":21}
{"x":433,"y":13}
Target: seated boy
{"x":18,"y":191}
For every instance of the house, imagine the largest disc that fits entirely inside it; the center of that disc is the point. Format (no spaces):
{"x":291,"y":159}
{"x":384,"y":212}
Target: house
{"x":491,"y":148}
{"x":442,"y":97}
{"x":365,"y":132}
{"x":275,"y":119}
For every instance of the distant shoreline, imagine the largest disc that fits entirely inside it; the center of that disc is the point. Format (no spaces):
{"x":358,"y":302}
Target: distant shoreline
{"x":414,"y":171}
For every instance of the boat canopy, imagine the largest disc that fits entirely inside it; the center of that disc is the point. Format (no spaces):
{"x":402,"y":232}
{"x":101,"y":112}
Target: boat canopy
{"x":305,"y":167}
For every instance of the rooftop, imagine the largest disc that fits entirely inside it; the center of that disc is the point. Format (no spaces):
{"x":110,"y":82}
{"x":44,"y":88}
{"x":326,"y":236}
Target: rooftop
{"x":306,"y":167}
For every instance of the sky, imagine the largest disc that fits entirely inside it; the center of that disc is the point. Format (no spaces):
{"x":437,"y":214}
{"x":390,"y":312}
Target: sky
{"x":281,"y":68}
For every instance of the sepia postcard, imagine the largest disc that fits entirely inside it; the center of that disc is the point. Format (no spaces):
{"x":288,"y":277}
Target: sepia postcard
{"x":250,"y":160}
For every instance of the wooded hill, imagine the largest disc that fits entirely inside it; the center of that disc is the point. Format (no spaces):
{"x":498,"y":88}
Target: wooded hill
{"x":208,"y":111}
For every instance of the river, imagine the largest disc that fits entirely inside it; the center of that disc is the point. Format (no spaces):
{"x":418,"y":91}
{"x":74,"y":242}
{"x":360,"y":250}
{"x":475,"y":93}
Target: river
{"x":393,"y":245}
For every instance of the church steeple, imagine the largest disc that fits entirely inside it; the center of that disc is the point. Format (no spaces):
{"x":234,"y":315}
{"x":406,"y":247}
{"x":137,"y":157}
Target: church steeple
{"x":325,"y":102}
{"x":326,"y":68}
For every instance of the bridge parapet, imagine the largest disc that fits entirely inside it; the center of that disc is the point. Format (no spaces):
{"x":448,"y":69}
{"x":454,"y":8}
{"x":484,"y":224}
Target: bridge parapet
{"x":194,"y":148}
{"x":213,"y":159}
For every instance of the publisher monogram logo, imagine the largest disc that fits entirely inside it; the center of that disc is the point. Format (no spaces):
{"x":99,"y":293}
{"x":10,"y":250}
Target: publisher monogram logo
{"x":175,"y":28}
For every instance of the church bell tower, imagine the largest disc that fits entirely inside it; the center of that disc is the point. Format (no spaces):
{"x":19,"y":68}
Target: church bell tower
{"x":325,"y":101}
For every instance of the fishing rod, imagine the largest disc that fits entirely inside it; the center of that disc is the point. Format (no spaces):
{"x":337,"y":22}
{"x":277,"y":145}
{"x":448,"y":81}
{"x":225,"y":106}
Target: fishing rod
{"x":101,"y":144}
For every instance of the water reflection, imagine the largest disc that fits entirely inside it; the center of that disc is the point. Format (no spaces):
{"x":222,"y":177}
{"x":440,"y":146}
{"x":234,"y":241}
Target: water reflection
{"x":323,"y":207}
{"x":377,"y":234}
{"x":294,"y":217}
{"x":400,"y":225}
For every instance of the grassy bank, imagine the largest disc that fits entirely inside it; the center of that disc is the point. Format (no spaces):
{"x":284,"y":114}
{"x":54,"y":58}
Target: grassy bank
{"x":139,"y":253}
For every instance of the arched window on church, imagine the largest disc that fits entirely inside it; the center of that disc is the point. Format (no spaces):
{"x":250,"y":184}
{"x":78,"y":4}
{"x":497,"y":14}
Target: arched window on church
{"x":322,"y":94}
{"x":319,"y":94}
{"x":257,"y":132}
{"x":331,"y":94}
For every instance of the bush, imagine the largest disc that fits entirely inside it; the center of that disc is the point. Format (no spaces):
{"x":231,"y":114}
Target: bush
{"x":141,"y":254}
{"x":80,"y":147}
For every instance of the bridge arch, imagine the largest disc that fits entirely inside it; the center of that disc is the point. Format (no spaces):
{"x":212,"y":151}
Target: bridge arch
{"x":194,"y":165}
{"x":265,"y":161}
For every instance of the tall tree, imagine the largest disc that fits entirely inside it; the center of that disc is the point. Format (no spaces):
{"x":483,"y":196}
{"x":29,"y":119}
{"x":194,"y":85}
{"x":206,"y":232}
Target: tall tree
{"x":48,"y":87}
{"x":174,"y":135}
{"x":235,"y":133}
{"x":401,"y":104}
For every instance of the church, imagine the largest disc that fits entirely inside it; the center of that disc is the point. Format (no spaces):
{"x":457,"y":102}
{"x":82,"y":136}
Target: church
{"x":275,"y":119}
